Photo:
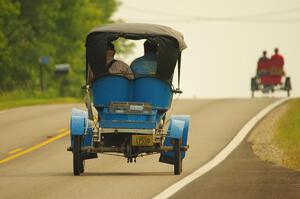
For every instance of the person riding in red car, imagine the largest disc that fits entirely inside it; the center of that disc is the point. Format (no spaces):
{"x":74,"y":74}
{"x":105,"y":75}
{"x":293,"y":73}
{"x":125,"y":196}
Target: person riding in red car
{"x":263,"y":65}
{"x":277,"y":63}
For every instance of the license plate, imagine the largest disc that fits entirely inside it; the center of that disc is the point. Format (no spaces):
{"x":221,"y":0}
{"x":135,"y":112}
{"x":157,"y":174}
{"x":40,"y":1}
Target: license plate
{"x":136,"y":107}
{"x":142,"y":140}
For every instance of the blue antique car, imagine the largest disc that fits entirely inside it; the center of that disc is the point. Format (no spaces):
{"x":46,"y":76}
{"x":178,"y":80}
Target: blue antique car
{"x":131,"y":118}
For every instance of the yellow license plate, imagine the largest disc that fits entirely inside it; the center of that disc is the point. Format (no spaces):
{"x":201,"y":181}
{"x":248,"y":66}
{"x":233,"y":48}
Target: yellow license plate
{"x":142,"y":140}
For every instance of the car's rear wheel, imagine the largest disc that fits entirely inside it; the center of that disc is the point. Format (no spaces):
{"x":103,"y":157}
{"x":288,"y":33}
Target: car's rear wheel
{"x":78,"y":163}
{"x":288,"y":86}
{"x":177,"y":157}
{"x":254,"y":86}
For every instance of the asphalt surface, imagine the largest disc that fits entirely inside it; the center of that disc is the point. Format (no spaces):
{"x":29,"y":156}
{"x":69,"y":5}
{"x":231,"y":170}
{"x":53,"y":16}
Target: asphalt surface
{"x":243,"y":175}
{"x":47,"y":171}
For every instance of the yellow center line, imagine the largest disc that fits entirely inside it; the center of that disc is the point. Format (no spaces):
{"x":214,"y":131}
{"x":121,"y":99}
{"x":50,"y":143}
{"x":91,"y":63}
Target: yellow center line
{"x":35,"y":147}
{"x":15,"y":151}
{"x":61,"y":130}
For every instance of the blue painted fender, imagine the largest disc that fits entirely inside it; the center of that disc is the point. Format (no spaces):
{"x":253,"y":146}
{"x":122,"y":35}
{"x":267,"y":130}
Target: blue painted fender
{"x":78,"y":112}
{"x":81,"y":125}
{"x":175,"y":129}
{"x":186,"y":119}
{"x":178,"y":128}
{"x":77,"y":125}
{"x":79,"y":122}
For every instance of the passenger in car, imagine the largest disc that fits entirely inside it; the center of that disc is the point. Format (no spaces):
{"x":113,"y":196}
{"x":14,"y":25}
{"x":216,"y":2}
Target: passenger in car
{"x":263,"y":65}
{"x":147,"y":64}
{"x":114,"y":66}
{"x":277,"y":63}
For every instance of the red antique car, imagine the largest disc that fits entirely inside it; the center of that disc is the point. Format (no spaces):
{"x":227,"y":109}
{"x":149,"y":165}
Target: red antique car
{"x":270,"y":77}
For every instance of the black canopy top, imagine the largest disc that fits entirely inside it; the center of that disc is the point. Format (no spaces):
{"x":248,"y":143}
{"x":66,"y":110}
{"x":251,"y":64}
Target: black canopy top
{"x":169,"y":41}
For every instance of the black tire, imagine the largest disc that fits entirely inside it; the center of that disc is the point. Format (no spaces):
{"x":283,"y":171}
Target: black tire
{"x":254,"y":86}
{"x":177,"y":157}
{"x":82,"y":166}
{"x":288,"y":85}
{"x":78,"y":164}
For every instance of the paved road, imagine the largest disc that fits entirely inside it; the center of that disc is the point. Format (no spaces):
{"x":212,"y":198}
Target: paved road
{"x":47,"y":172}
{"x":243,"y":175}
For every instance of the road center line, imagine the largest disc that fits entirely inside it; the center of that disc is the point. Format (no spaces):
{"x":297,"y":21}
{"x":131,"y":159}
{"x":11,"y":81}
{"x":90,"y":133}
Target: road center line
{"x":61,"y":130}
{"x":35,"y":147}
{"x":15,"y":151}
{"x":223,"y":154}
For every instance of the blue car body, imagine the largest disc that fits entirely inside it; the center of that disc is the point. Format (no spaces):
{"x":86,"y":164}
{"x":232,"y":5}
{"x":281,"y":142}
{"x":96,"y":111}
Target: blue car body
{"x":153,"y":91}
{"x":129,"y":116}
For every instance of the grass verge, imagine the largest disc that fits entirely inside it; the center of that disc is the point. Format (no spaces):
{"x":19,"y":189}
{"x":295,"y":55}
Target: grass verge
{"x":23,"y":98}
{"x":287,"y":135}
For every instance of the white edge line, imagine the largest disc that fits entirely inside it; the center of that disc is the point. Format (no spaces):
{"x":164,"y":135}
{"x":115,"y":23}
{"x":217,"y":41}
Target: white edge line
{"x":223,"y":154}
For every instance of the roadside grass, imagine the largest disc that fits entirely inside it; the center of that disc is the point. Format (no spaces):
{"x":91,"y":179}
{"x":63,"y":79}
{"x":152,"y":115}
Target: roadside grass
{"x":21,"y":98}
{"x":287,"y":135}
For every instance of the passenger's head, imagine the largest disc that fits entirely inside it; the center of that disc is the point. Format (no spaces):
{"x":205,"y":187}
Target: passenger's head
{"x":110,"y":50}
{"x":276,"y":50}
{"x":149,"y":47}
{"x":264,"y":53}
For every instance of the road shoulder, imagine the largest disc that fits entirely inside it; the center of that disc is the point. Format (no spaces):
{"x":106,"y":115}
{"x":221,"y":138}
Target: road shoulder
{"x":266,"y":140}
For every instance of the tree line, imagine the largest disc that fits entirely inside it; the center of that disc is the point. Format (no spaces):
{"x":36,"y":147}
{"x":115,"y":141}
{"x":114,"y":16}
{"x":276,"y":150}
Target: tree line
{"x":53,"y":28}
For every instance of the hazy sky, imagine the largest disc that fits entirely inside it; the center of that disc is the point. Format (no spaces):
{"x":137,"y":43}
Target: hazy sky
{"x":222,"y":53}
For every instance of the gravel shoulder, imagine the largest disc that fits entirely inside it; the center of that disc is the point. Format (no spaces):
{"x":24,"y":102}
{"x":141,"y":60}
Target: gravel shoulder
{"x":262,"y":138}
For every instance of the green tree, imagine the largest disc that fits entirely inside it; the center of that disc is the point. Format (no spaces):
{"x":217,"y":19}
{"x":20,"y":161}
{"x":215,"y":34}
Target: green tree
{"x":56,"y":28}
{"x":13,"y":41}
